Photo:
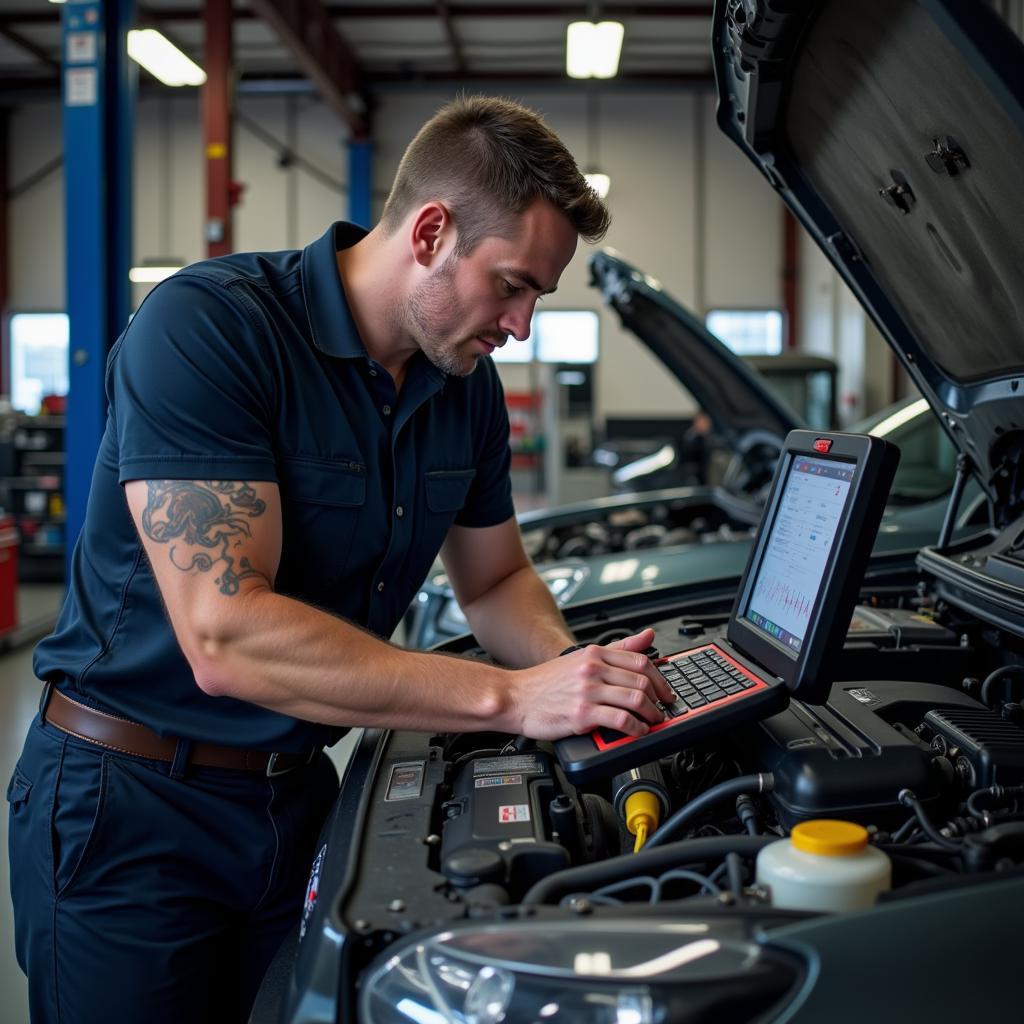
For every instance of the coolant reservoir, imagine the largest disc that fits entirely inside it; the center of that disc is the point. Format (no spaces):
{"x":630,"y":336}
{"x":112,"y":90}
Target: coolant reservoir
{"x":824,"y":865}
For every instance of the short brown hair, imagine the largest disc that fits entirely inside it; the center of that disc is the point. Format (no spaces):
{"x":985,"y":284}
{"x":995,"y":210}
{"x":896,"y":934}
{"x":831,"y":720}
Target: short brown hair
{"x":488,"y":159}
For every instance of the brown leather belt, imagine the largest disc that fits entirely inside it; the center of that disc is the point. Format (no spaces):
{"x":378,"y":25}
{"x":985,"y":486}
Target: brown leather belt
{"x":129,"y":737}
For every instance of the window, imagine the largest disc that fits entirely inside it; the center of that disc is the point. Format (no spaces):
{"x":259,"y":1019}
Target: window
{"x":39,"y":358}
{"x":515,"y":351}
{"x":556,"y":336}
{"x":748,"y":332}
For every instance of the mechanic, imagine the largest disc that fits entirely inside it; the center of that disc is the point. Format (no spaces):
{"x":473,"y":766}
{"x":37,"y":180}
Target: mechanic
{"x":292,"y":437}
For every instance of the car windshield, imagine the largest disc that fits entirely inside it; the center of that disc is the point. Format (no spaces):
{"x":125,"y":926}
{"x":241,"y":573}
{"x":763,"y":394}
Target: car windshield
{"x":927,"y":456}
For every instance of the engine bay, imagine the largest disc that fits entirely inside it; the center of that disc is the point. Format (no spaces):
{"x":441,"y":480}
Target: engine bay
{"x":673,"y":518}
{"x":920,"y":742}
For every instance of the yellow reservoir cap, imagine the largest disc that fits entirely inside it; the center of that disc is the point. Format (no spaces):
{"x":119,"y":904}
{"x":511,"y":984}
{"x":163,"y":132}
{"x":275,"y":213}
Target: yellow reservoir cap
{"x":829,"y":838}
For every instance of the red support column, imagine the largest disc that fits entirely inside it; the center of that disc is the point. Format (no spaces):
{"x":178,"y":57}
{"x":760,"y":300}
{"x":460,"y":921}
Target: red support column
{"x":790,"y":276}
{"x":217,"y":111}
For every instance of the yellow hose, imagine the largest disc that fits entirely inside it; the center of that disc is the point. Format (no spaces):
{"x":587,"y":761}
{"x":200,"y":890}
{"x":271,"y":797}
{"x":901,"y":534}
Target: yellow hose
{"x":643,"y":812}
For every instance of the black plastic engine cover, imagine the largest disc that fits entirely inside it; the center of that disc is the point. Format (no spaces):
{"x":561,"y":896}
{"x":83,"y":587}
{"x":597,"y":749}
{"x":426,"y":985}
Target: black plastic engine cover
{"x":851,"y":757}
{"x":496,"y":823}
{"x":986,"y":749}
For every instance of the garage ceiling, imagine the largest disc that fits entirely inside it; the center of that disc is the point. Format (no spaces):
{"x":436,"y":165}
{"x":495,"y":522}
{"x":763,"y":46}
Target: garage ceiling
{"x":399,"y":42}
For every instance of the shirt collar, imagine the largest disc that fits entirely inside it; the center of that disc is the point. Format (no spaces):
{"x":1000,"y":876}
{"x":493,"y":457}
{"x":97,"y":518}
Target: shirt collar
{"x":330,"y":319}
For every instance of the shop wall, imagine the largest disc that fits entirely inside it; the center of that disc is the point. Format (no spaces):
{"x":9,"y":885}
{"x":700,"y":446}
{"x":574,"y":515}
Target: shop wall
{"x":686,"y":207}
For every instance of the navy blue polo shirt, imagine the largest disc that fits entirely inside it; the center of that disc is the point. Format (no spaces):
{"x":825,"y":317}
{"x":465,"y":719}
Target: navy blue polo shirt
{"x":250,"y":367}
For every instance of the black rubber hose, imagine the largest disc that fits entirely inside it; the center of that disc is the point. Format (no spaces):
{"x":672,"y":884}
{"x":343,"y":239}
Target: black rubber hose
{"x":994,"y":793}
{"x":924,"y":852}
{"x":746,"y":811}
{"x":588,"y":877}
{"x":997,"y":677}
{"x":918,"y":867}
{"x":905,"y":829}
{"x":760,"y":783}
{"x":909,"y":799}
{"x":734,"y":872}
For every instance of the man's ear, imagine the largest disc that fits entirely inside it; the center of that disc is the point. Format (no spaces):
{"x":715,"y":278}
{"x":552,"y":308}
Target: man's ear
{"x":431,"y":234}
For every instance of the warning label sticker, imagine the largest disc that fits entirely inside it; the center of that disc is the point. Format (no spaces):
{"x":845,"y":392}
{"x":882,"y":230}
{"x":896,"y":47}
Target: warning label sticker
{"x":513,"y":812}
{"x":498,"y":780}
{"x":864,"y":695}
{"x":526,"y":763}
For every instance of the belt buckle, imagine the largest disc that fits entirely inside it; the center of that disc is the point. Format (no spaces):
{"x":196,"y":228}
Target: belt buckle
{"x":273,"y":770}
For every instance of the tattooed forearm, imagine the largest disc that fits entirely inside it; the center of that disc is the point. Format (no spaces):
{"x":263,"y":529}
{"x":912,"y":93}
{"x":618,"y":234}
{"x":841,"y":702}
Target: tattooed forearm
{"x":208,"y":515}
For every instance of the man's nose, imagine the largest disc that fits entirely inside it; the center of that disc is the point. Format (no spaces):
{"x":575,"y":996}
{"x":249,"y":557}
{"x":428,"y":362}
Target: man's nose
{"x":516,"y":321}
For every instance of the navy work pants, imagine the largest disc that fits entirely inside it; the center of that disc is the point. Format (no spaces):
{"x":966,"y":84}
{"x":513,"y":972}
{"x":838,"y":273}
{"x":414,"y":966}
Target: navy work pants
{"x":147,"y":895}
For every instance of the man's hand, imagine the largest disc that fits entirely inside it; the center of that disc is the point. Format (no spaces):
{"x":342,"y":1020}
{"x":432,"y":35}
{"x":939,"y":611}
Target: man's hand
{"x":613,"y":687}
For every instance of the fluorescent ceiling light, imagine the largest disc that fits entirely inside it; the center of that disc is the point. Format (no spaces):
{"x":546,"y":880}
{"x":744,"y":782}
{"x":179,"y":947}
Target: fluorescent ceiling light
{"x":151,"y":275}
{"x":898,"y":418}
{"x":592,"y":50}
{"x":661,"y":459}
{"x":600,"y":183}
{"x":57,"y":1}
{"x":162,"y":59}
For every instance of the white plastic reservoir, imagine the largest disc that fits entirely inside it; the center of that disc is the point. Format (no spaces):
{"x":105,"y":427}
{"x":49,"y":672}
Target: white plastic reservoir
{"x":824,"y":865}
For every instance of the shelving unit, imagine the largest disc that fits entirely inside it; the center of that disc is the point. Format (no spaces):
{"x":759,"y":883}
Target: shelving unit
{"x":33,"y":493}
{"x":526,"y":439}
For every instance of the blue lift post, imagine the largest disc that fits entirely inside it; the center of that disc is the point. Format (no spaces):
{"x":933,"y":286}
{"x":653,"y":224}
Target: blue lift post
{"x":360,"y":182}
{"x":98,"y":90}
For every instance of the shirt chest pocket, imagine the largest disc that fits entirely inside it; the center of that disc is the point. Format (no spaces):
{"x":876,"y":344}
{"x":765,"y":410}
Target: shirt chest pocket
{"x":322,"y":501}
{"x":445,"y":492}
{"x":447,"y":489}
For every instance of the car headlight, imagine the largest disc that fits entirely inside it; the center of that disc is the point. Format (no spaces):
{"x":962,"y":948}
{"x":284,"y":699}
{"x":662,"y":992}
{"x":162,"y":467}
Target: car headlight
{"x":535,"y":972}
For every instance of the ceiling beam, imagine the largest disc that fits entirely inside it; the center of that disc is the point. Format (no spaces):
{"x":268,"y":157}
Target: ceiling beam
{"x":29,"y":47}
{"x":425,"y":10}
{"x":512,"y":10}
{"x":445,"y":14}
{"x":306,"y":28}
{"x":24,"y":90}
{"x":539,"y":78}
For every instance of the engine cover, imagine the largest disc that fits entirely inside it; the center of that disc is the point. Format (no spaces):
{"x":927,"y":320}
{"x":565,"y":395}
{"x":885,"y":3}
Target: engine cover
{"x":851,"y":757}
{"x":496,"y":828}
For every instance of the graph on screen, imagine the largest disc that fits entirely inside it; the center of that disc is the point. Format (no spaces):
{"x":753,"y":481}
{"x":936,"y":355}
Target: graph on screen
{"x":796,"y":554}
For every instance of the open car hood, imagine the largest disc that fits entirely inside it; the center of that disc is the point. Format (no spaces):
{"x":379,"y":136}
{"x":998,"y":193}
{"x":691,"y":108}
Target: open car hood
{"x":894,"y":131}
{"x":742,"y":407}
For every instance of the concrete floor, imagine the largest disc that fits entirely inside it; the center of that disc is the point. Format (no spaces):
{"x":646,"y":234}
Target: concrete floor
{"x":19,"y":697}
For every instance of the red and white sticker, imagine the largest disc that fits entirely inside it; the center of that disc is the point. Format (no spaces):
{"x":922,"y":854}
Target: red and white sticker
{"x":312,"y":890}
{"x":513,"y":812}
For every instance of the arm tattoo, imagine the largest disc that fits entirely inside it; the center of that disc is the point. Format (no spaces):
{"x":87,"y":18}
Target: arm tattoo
{"x":207,"y":514}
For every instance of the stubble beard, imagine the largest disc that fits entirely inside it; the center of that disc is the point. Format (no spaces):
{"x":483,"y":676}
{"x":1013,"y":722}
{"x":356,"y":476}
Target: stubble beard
{"x":433,"y":318}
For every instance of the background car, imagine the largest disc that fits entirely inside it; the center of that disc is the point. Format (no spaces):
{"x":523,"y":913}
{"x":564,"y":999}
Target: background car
{"x":598,"y":549}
